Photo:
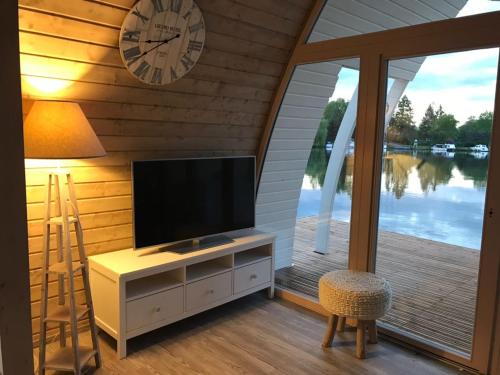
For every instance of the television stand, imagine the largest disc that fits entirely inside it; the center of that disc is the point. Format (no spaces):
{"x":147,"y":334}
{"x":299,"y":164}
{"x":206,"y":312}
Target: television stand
{"x":198,"y":244}
{"x":136,"y":292}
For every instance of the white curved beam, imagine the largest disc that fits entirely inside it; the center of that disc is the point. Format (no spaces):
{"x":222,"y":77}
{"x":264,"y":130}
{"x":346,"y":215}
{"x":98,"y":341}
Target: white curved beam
{"x":398,"y":87}
{"x":337,"y":157}
{"x":335,"y":162}
{"x":286,"y":159}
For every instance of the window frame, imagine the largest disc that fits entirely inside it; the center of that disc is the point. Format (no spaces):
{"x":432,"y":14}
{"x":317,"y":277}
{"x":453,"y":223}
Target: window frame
{"x":375,"y":50}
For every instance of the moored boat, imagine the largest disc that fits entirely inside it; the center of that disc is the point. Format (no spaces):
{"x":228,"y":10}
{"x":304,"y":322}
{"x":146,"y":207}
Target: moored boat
{"x":443,"y":147}
{"x":480,"y":148}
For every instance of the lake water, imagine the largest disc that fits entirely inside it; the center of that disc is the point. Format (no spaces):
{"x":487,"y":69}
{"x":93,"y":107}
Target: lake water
{"x":438,"y":197}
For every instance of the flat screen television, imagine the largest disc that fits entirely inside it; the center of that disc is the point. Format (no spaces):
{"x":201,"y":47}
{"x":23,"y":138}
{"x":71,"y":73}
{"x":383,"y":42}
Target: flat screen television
{"x":184,"y":199}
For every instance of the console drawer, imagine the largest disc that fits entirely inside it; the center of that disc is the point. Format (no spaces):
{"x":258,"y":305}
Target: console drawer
{"x":205,"y":292}
{"x":154,"y":308}
{"x":247,"y":277}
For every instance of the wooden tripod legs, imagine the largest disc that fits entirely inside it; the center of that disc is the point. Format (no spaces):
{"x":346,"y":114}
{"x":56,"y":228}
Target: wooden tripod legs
{"x":360,"y":339}
{"x":330,"y":331}
{"x":338,"y":323}
{"x":69,"y":311}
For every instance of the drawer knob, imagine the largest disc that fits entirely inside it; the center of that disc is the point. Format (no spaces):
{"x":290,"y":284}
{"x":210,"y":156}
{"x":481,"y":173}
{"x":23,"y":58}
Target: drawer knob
{"x":253,"y":277}
{"x":157,"y":309}
{"x":211,"y":291}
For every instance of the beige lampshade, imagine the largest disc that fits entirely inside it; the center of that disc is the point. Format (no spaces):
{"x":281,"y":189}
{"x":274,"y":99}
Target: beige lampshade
{"x":59,"y":130}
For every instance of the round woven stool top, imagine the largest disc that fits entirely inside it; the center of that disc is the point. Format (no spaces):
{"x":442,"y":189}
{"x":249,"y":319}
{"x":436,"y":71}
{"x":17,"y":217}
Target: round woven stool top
{"x":355,"y":294}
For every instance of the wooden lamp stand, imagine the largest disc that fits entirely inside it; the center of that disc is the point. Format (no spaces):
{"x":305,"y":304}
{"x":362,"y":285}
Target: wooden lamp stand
{"x":60,"y":130}
{"x":60,"y":188}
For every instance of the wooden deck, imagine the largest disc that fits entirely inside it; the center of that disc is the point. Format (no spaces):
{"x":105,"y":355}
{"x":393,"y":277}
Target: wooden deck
{"x":434,"y":284}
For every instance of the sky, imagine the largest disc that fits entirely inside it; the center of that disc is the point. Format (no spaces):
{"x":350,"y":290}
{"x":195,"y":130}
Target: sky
{"x":463,"y":83}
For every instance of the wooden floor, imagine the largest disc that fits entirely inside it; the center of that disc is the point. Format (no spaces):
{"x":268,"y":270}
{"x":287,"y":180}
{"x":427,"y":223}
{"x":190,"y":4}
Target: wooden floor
{"x":434,"y":285}
{"x":255,"y":335}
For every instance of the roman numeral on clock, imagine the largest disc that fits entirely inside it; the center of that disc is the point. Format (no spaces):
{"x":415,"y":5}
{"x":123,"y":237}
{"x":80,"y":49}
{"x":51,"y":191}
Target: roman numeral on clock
{"x":131,"y":36}
{"x":197,"y":26}
{"x":158,"y":4}
{"x":188,"y":14}
{"x":142,"y":17}
{"x":142,"y":69}
{"x":173,"y":74}
{"x":195,"y":45}
{"x":187,"y":62}
{"x":176,"y":5}
{"x":157,"y":76}
{"x":132,"y":54}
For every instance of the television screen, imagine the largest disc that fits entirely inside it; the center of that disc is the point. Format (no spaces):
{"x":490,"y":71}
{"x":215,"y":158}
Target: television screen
{"x":183,"y":199}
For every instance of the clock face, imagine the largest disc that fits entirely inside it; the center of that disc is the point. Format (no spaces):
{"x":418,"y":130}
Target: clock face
{"x":161,"y":40}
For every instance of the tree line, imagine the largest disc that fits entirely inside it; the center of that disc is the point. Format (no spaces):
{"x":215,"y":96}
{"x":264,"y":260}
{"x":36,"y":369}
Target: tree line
{"x":435,"y":127}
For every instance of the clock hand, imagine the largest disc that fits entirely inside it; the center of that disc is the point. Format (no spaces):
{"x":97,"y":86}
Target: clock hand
{"x":161,"y":40}
{"x":154,"y":41}
{"x":158,"y":45}
{"x":151,"y":49}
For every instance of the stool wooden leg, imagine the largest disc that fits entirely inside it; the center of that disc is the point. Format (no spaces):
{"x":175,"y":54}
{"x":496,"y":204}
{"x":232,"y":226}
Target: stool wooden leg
{"x":330,"y":331}
{"x":372,"y":332}
{"x":341,"y":324}
{"x":360,"y":340}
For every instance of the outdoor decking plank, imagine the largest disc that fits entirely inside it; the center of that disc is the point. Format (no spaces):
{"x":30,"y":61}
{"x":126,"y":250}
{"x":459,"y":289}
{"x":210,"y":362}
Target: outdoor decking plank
{"x":434,"y":284}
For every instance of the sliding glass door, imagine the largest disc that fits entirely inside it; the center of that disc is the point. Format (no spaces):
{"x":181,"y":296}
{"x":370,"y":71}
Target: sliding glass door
{"x":437,"y":145}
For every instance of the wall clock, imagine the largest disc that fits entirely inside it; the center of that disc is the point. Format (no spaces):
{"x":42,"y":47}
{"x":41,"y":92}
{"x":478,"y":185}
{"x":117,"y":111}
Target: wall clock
{"x":161,"y":40}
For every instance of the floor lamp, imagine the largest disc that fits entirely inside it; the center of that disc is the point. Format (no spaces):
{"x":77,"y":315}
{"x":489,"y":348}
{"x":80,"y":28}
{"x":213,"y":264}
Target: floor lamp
{"x":60,"y":130}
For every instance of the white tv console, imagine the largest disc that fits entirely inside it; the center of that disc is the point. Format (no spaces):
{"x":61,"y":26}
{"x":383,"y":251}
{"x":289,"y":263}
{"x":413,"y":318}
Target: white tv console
{"x":135,"y":292}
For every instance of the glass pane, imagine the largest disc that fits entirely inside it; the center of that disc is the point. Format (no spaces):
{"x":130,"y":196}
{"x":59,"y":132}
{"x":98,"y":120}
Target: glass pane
{"x":321,"y":233}
{"x":433,"y":187}
{"x":342,"y":18}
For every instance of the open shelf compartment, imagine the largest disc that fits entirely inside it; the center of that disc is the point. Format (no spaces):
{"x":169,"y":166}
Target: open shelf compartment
{"x":252,"y":255}
{"x":155,"y":283}
{"x":209,"y":268}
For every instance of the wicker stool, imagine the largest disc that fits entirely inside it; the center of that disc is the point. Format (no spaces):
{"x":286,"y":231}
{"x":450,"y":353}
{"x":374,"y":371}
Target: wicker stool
{"x":362,"y":296}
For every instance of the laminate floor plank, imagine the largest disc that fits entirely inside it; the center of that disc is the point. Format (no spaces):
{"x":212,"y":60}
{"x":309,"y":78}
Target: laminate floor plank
{"x":255,"y":335}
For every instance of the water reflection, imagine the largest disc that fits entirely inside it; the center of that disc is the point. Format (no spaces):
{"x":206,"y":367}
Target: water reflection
{"x":434,"y":196}
{"x":432,"y":170}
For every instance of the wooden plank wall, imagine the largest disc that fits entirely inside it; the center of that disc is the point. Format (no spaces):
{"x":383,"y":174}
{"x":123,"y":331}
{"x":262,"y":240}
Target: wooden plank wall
{"x":69,"y":51}
{"x":288,"y":151}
